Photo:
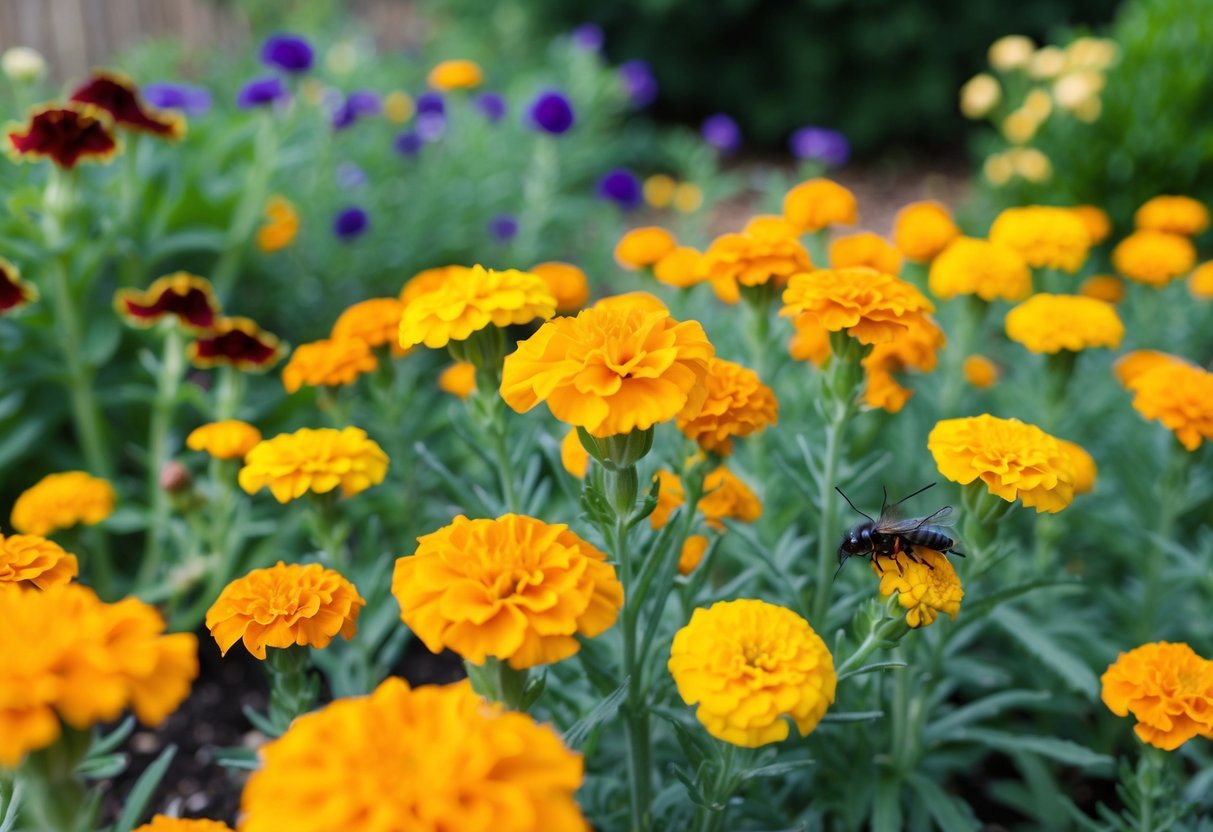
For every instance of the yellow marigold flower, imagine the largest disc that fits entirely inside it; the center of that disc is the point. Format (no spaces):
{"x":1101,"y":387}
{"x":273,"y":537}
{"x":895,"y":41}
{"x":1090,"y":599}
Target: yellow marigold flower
{"x":281,"y":225}
{"x":514,"y":588}
{"x":1096,"y":221}
{"x":1031,"y":164}
{"x":1046,"y":237}
{"x":1089,"y":110}
{"x":316,"y":460}
{"x":998,"y":169}
{"x":917,"y":348}
{"x":473,"y":299}
{"x":1167,"y":688}
{"x":28,"y":560}
{"x":980,"y":95}
{"x":643,"y":247}
{"x":573,"y":455}
{"x":228,"y":439}
{"x":1133,"y":365}
{"x":1180,"y":396}
{"x":1073,"y":89}
{"x":611,"y":370}
{"x":567,"y":282}
{"x":398,"y":106}
{"x":980,"y":371}
{"x":922,"y":230}
{"x":1103,"y":287}
{"x":725,"y":497}
{"x":1011,"y":52}
{"x":455,"y":75}
{"x":752,"y":666}
{"x":979,"y":267}
{"x":1174,"y":215}
{"x":282,"y":606}
{"x":1019,"y":127}
{"x":659,"y":190}
{"x":1094,"y":53}
{"x":1047,"y":62}
{"x":680,"y":268}
{"x":1052,"y":323}
{"x":866,"y":304}
{"x":818,"y":203}
{"x":163,"y":823}
{"x":328,"y":363}
{"x":688,"y":198}
{"x":865,"y":249}
{"x":738,"y":404}
{"x":459,"y":379}
{"x":1014,"y":460}
{"x":692,"y":553}
{"x":60,"y":501}
{"x":642,"y":301}
{"x":925,"y":587}
{"x":1084,"y":466}
{"x":375,"y":321}
{"x":428,"y":759}
{"x":1200,"y":283}
{"x":1154,"y":257}
{"x":426,"y":281}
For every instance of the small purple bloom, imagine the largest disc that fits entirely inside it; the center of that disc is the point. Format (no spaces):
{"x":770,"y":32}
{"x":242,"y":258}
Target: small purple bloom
{"x":622,"y":187}
{"x":350,"y":176}
{"x":721,"y":132}
{"x":503,"y":227}
{"x":289,"y":53}
{"x":431,"y":102}
{"x":491,"y":105}
{"x":552,"y":112}
{"x":638,"y":82}
{"x":430,"y":126}
{"x":350,"y":223}
{"x":588,"y":37}
{"x":820,"y":144}
{"x":407,"y":143}
{"x":261,"y":91}
{"x":193,"y":101}
{"x":359,"y":103}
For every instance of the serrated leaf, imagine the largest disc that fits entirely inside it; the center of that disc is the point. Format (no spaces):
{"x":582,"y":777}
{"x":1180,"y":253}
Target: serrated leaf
{"x":1044,"y":647}
{"x":141,"y":795}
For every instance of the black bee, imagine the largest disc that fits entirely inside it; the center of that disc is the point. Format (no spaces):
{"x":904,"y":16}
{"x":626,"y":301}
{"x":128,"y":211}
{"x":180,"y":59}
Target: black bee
{"x":889,"y":536}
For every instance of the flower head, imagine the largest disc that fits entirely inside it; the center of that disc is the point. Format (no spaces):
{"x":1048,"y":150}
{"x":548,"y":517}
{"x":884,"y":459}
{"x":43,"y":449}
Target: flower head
{"x":568,"y":283}
{"x":472,"y":299}
{"x":514,"y":588}
{"x":503,"y":227}
{"x":551,"y":112}
{"x":1177,"y":394}
{"x":679,"y":268}
{"x":239,"y":343}
{"x":588,"y":37}
{"x":455,"y":75}
{"x":767,"y":251}
{"x":281,"y":225}
{"x":865,"y":249}
{"x":1173,"y":215}
{"x":1167,"y":688}
{"x":491,"y":105}
{"x":428,"y":759}
{"x":725,"y":497}
{"x":642,"y":301}
{"x":752,"y":666}
{"x":188,"y":298}
{"x":408,"y":143}
{"x":737,"y":404}
{"x":1052,"y":323}
{"x":926,"y":584}
{"x":820,"y":144}
{"x":643,"y":247}
{"x":289,"y":53}
{"x":191,"y":100}
{"x":1011,"y":52}
{"x":427,"y":280}
{"x":1012,"y":459}
{"x":60,"y":501}
{"x":329,"y":362}
{"x":22,"y":64}
{"x":1133,"y":365}
{"x":316,"y":460}
{"x":917,"y":348}
{"x":980,"y":95}
{"x":1046,"y":237}
{"x":818,"y":203}
{"x":639,"y":83}
{"x":66,"y":135}
{"x":118,"y":96}
{"x":987,"y":269}
{"x":573,"y":455}
{"x":1154,"y":257}
{"x":226,"y":439}
{"x":868,"y":305}
{"x":980,"y":371}
{"x":261,"y":92}
{"x":28,"y":560}
{"x":922,"y":230}
{"x":621,"y":187}
{"x":1096,"y":221}
{"x":163,"y":823}
{"x":14,"y":291}
{"x":693,"y":550}
{"x":350,"y":222}
{"x":1200,"y":283}
{"x":1103,"y":287}
{"x":722,"y":132}
{"x":1085,"y":469}
{"x":376,"y":322}
{"x":459,"y":379}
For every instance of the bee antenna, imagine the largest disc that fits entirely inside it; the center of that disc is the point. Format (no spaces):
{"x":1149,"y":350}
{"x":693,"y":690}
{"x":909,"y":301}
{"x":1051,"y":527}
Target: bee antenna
{"x":926,"y":487}
{"x":852,"y":505}
{"x":839,"y":569}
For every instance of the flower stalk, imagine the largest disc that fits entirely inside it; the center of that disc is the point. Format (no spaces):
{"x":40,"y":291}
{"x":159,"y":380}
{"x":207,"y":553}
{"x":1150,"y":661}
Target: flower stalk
{"x":265,"y":148}
{"x":294,"y":689}
{"x":53,"y":797}
{"x":172,"y":368}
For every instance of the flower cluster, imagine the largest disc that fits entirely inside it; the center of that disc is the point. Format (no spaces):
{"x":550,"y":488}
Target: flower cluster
{"x":926,"y":584}
{"x":1167,"y":688}
{"x":60,"y":501}
{"x":316,"y":460}
{"x":737,"y":404}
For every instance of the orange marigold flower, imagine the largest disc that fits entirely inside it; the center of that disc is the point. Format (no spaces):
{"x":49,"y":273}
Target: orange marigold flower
{"x":1180,"y":396}
{"x":737,"y":404}
{"x":285,"y":605}
{"x":429,"y":759}
{"x":1095,"y":220}
{"x":568,"y":284}
{"x":969,"y":266}
{"x":1200,"y":284}
{"x":1173,"y":215}
{"x":926,"y":585}
{"x":118,"y":96}
{"x":376,"y":321}
{"x":28,"y":560}
{"x":818,"y":203}
{"x":692,"y":553}
{"x":680,"y":268}
{"x":455,"y":75}
{"x":514,"y":588}
{"x":1154,"y":257}
{"x":1012,"y":459}
{"x":187,"y":297}
{"x":239,"y":343}
{"x":751,"y":667}
{"x":642,"y":301}
{"x":767,"y":251}
{"x":60,"y":501}
{"x":1045,"y":236}
{"x":226,"y":439}
{"x":1103,"y":287}
{"x":14,"y":292}
{"x":328,"y":363}
{"x":980,"y":371}
{"x":811,"y":341}
{"x":163,"y":823}
{"x":1167,"y":688}
{"x":865,"y":249}
{"x":65,"y":135}
{"x":314,"y":459}
{"x":1083,"y":464}
{"x":659,"y":190}
{"x":917,"y":348}
{"x":725,"y":497}
{"x":610,"y":370}
{"x":922,"y":230}
{"x":459,"y":379}
{"x":1051,"y":323}
{"x":426,"y":281}
{"x":688,"y":197}
{"x":473,"y":299}
{"x":1133,"y":365}
{"x":643,"y":247}
{"x":573,"y":455}
{"x":866,"y":304}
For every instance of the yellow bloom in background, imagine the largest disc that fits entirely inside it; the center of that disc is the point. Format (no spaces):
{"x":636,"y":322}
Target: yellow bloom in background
{"x":375,"y":321}
{"x":514,"y":588}
{"x":1154,"y":257}
{"x":768,"y":250}
{"x":1038,"y":104}
{"x":1174,"y":215}
{"x":659,"y":190}
{"x":427,"y":759}
{"x":398,"y":106}
{"x":611,"y":370}
{"x":1047,"y":62}
{"x":1014,"y":460}
{"x":628,"y":301}
{"x":1045,"y":236}
{"x":688,"y":198}
{"x":226,"y":439}
{"x":980,"y":372}
{"x":980,"y":267}
{"x":998,"y":169}
{"x":163,"y":823}
{"x":282,"y":606}
{"x":917,"y":349}
{"x":819,"y":203}
{"x":1011,"y":52}
{"x":328,"y":363}
{"x":1085,"y":469}
{"x":1200,"y":283}
{"x":314,"y":459}
{"x":680,"y":268}
{"x":1167,"y":688}
{"x":1096,"y":221}
{"x":866,"y":304}
{"x":573,"y":455}
{"x":642,"y":247}
{"x":455,"y":75}
{"x":1019,"y":127}
{"x":1103,"y":287}
{"x":1074,"y":89}
{"x":925,"y":587}
{"x":473,"y":299}
{"x":737,"y":404}
{"x":1030,"y":164}
{"x":1180,"y":396}
{"x":980,"y":95}
{"x":752,"y":667}
{"x":31,"y":561}
{"x":1047,"y":323}
{"x":568,"y":284}
{"x":60,"y":501}
{"x":281,"y":225}
{"x":922,"y":230}
{"x":865,"y":249}
{"x":426,"y":281}
{"x":459,"y":379}
{"x":1133,"y":365}
{"x":1092,"y":53}
{"x":725,"y":497}
{"x":692,"y":553}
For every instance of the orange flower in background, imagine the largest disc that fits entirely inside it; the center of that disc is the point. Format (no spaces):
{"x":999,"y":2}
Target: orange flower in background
{"x":455,"y":75}
{"x":1167,"y":688}
{"x":611,"y":370}
{"x":285,"y":605}
{"x":316,"y":460}
{"x":692,"y":553}
{"x":980,"y":372}
{"x":459,"y":379}
{"x":163,"y":823}
{"x":811,"y":341}
{"x":969,"y":266}
{"x":680,"y":268}
{"x":1133,"y":365}
{"x":28,"y":560}
{"x":725,"y":497}
{"x":818,"y":203}
{"x":573,"y":455}
{"x":60,"y":501}
{"x":1084,"y":466}
{"x":1180,"y":396}
{"x":1047,"y":323}
{"x":643,"y":247}
{"x":226,"y":439}
{"x":375,"y":321}
{"x":641,"y":301}
{"x":472,"y":299}
{"x":328,"y":363}
{"x":65,"y":135}
{"x":1154,"y":257}
{"x":659,"y":190}
{"x":865,"y":249}
{"x":14,"y":292}
{"x":1173,"y":215}
{"x":918,"y":348}
{"x":1200,"y":284}
{"x":926,"y":585}
{"x":568,"y":284}
{"x":767,"y":251}
{"x":1096,"y":221}
{"x":1045,"y":236}
{"x":1103,"y":287}
{"x":118,"y":96}
{"x":514,"y":588}
{"x":737,"y":404}
{"x":922,"y":230}
{"x":239,"y":343}
{"x":868,"y":305}
{"x":187,"y":297}
{"x":426,"y":281}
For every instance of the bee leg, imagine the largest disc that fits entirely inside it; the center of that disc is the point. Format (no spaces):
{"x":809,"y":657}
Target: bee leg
{"x":954,"y":552}
{"x":876,"y":560}
{"x":900,"y":569}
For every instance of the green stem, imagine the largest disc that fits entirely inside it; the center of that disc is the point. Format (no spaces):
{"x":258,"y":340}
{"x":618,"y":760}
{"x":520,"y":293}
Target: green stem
{"x":330,"y":533}
{"x":54,"y":798}
{"x":496,"y":680}
{"x":960,"y":346}
{"x":293,"y":687}
{"x":229,"y":389}
{"x":886,"y":632}
{"x":1171,"y":495}
{"x":172,"y":367}
{"x":249,"y":208}
{"x":826,"y":532}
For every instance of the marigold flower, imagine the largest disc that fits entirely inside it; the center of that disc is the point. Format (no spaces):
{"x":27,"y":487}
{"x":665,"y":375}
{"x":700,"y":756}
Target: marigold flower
{"x":118,"y":96}
{"x":1012,"y":459}
{"x":426,"y":281}
{"x":811,"y":341}
{"x":866,"y":304}
{"x":1133,"y":365}
{"x":1046,"y":62}
{"x":65,"y":135}
{"x":1085,"y":469}
{"x":1167,"y":688}
{"x":514,"y":588}
{"x":328,"y":363}
{"x":568,"y":284}
{"x":459,"y":379}
{"x":659,"y":190}
{"x":611,"y":370}
{"x":643,"y":247}
{"x":737,"y":404}
{"x":1200,"y":284}
{"x":1030,"y":163}
{"x":725,"y":497}
{"x":980,"y":371}
{"x":163,"y":823}
{"x":239,"y":343}
{"x":980,"y":95}
{"x":1154,"y":257}
{"x":281,"y":225}
{"x":375,"y":321}
{"x":1103,"y":287}
{"x":14,"y":292}
{"x":1011,"y":52}
{"x":316,"y":460}
{"x":28,"y":560}
{"x":1177,"y":394}
{"x":285,"y":605}
{"x":399,"y":106}
{"x":693,"y":550}
{"x":455,"y":75}
{"x":1046,"y":237}
{"x":573,"y":455}
{"x":917,"y":348}
{"x":748,"y":665}
{"x":428,"y":759}
{"x":818,"y":203}
{"x":226,"y":439}
{"x":1173,"y":215}
{"x":688,"y":198}
{"x":922,"y":230}
{"x":680,"y":268}
{"x":641,"y":301}
{"x":865,"y":249}
{"x":187,"y":297}
{"x":1096,"y":221}
{"x":472,"y":299}
{"x":60,"y":501}
{"x":1051,"y":323}
{"x":925,"y":587}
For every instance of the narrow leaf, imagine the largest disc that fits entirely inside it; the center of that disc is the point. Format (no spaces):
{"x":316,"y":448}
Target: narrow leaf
{"x":141,"y":795}
{"x":949,"y":812}
{"x":1056,"y":657}
{"x":605,"y":711}
{"x":983,"y":708}
{"x":1063,"y":751}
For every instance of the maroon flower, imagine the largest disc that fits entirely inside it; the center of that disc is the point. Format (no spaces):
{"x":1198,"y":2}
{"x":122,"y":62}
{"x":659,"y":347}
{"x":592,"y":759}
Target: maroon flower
{"x":239,"y":343}
{"x":66,"y":135}
{"x":185,"y":296}
{"x":14,"y":291}
{"x":120,"y":98}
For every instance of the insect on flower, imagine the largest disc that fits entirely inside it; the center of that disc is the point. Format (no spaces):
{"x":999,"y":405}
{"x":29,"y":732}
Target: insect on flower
{"x":890,"y":535}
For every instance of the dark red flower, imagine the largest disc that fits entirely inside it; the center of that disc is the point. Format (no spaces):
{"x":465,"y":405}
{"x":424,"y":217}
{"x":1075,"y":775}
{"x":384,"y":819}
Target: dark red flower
{"x":236,"y":342}
{"x":14,"y":291}
{"x":185,"y":296}
{"x":66,"y":135}
{"x":120,"y":98}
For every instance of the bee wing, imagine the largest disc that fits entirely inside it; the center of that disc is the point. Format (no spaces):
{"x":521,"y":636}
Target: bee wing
{"x":894,"y":525}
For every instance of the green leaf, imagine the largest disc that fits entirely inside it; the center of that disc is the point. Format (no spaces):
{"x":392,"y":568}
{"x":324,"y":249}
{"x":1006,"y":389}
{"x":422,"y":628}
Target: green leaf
{"x":776,"y":769}
{"x":976,"y":610}
{"x":243,"y":759}
{"x":886,"y":805}
{"x":115,"y":738}
{"x":102,"y":766}
{"x":1063,"y":751}
{"x":145,"y":787}
{"x":952,"y":814}
{"x":195,"y":239}
{"x":1040,"y":644}
{"x":18,"y":440}
{"x":11,"y":804}
{"x":871,"y":668}
{"x":852,"y":716}
{"x":261,"y":722}
{"x":983,"y":708}
{"x":605,"y":711}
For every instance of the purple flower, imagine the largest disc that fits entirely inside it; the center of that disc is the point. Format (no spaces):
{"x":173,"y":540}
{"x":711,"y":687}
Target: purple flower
{"x":491,"y":105}
{"x":638,"y":82}
{"x":551,"y":112}
{"x":588,"y":37}
{"x":407,"y":143}
{"x":721,"y":132}
{"x":820,"y":144}
{"x":431,"y":102}
{"x":503,"y":227}
{"x":359,"y":103}
{"x":430,"y":126}
{"x":193,"y":101}
{"x":289,"y":53}
{"x":350,"y":223}
{"x":350,"y":176}
{"x":261,"y":91}
{"x":622,"y":187}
